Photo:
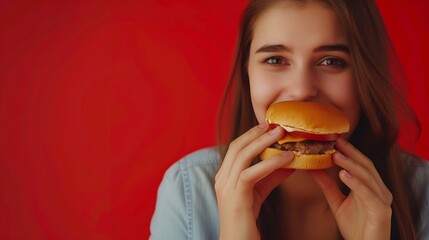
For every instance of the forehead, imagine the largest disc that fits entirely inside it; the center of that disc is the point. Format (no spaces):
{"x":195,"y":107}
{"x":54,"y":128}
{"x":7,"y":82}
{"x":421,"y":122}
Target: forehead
{"x":303,"y":24}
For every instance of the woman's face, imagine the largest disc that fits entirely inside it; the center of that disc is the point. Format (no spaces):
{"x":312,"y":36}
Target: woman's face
{"x":301,"y":53}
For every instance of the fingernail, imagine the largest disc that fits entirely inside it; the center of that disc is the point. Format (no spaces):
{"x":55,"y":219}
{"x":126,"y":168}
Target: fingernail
{"x":340,"y":156}
{"x":263,"y":124}
{"x":347,"y":174}
{"x":274,"y":131}
{"x":286,"y":154}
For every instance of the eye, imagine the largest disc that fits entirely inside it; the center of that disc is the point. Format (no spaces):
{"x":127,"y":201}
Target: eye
{"x":275,"y":61}
{"x":334,"y":62}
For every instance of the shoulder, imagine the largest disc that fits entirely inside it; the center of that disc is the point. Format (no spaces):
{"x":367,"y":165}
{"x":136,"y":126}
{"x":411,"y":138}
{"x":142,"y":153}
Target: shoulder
{"x":195,"y":172}
{"x":206,"y":159}
{"x":417,"y":170}
{"x":186,"y":200}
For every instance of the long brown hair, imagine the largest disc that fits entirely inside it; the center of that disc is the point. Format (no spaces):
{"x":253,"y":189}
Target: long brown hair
{"x":381,"y":104}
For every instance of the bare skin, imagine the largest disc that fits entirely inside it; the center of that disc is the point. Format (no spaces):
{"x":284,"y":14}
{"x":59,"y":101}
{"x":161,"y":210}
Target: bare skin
{"x":299,"y":52}
{"x":364,"y":214}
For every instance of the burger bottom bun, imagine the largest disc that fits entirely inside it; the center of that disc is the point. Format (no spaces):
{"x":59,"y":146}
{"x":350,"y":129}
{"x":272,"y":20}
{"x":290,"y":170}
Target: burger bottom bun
{"x":303,"y":161}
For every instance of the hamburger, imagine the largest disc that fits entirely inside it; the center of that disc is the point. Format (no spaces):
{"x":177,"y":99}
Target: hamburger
{"x":311,"y":131}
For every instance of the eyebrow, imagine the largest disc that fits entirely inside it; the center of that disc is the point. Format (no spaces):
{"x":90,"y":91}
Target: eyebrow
{"x":282,"y":48}
{"x":334,"y":47}
{"x":273,"y":48}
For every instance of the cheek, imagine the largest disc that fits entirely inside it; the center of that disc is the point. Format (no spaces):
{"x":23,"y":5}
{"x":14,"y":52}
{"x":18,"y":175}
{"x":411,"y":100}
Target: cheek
{"x":353,"y":114}
{"x":344,"y":97}
{"x":257,"y":93}
{"x":262,"y":93}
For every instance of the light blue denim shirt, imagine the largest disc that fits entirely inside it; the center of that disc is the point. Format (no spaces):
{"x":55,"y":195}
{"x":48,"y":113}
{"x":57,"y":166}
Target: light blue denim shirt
{"x":186,"y":206}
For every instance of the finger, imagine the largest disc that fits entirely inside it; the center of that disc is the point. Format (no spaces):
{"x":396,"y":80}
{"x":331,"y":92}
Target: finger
{"x":235,"y":147}
{"x":349,"y":150}
{"x":361,"y":191}
{"x":248,"y":154}
{"x":330,"y":189}
{"x":363,"y":168}
{"x":359,"y":172}
{"x":250,"y":176}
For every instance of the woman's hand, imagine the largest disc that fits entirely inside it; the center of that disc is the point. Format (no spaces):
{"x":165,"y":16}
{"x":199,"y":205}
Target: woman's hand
{"x":241,"y":189}
{"x":366,"y":212}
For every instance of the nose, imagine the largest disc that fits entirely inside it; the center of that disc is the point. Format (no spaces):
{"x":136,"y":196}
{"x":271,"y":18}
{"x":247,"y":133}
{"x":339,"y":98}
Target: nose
{"x":301,"y":85}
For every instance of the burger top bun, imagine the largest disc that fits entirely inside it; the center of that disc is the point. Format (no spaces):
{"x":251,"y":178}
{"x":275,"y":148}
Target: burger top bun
{"x":308,"y":117}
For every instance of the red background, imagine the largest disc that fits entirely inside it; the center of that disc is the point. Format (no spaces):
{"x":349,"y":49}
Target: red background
{"x":98,"y":98}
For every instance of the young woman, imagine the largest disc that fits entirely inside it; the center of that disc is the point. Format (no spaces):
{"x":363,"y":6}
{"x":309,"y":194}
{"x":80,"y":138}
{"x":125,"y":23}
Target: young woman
{"x":335,"y":52}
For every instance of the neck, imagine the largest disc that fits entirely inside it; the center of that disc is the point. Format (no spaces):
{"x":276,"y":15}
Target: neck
{"x":304,"y":207}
